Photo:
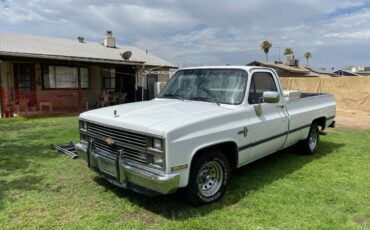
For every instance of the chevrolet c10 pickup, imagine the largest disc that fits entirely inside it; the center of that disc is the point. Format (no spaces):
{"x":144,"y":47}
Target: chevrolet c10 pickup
{"x":206,"y":122}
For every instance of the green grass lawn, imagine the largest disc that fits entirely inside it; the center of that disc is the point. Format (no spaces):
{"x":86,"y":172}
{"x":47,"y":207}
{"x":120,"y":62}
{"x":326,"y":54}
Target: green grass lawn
{"x":40,"y":188}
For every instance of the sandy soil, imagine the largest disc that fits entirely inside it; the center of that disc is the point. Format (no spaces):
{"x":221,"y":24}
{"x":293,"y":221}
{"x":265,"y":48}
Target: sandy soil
{"x":357,"y":120}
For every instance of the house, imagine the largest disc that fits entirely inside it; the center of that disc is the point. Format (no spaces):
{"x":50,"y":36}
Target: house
{"x":52,"y":75}
{"x":364,"y":73}
{"x":283,"y":70}
{"x":360,"y":70}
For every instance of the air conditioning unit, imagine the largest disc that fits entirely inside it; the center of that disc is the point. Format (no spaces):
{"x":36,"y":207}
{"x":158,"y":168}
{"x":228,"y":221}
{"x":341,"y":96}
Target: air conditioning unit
{"x":289,"y":59}
{"x":296,"y":62}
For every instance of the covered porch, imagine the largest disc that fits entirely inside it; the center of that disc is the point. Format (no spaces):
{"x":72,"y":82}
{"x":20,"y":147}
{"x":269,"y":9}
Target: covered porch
{"x":43,"y":87}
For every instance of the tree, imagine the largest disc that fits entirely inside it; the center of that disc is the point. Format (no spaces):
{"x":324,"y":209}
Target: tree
{"x":307,"y":55}
{"x":265,"y":46}
{"x":288,"y":51}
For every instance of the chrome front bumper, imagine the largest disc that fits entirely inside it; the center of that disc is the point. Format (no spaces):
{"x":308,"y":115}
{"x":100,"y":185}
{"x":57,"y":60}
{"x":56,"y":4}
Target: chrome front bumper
{"x":128,"y":175}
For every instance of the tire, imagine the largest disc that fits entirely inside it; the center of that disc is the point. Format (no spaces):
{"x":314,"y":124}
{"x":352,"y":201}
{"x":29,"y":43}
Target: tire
{"x":209,"y":176}
{"x":311,"y":143}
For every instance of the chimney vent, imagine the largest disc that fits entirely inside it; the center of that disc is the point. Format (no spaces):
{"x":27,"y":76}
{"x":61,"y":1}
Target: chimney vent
{"x":109,"y":40}
{"x":81,"y":39}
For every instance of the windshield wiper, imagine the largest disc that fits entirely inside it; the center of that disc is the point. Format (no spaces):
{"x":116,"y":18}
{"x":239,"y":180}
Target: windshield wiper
{"x":171,"y":95}
{"x":207,"y":99}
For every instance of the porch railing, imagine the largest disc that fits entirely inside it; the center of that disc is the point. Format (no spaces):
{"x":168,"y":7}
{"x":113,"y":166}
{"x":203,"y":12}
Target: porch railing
{"x":18,"y":102}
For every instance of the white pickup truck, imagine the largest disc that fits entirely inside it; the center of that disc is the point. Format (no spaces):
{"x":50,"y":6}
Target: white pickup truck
{"x":206,"y":122}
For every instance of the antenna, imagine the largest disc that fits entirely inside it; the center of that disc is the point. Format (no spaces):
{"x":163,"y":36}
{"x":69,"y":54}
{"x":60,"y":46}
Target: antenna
{"x":126,"y":55}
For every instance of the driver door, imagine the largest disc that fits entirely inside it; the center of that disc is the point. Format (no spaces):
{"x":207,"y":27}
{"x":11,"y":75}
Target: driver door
{"x":269,"y":129}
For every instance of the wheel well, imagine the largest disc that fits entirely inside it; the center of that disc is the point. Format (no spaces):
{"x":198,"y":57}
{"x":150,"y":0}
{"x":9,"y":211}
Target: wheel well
{"x":321,"y":121}
{"x":230,"y":150}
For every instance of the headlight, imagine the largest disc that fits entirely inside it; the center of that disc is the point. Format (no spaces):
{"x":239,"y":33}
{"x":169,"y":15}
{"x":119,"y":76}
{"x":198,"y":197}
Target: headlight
{"x":157,"y":143}
{"x":156,"y":153}
{"x":83,"y":125}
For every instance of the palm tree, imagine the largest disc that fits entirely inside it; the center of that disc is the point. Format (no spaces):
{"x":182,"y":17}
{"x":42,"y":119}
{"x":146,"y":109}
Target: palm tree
{"x":288,"y":51}
{"x":307,"y":55}
{"x":265,"y":46}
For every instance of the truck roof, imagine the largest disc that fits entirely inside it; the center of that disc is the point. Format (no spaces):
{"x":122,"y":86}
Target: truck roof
{"x":247,"y":68}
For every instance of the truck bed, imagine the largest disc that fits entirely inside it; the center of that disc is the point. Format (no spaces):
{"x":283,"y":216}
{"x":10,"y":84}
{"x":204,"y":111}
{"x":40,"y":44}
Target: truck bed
{"x":309,"y":106}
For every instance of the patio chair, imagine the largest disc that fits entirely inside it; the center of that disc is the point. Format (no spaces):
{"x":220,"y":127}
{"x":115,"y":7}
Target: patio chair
{"x":21,"y":105}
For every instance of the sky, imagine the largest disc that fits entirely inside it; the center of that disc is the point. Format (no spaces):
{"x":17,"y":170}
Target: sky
{"x":207,"y":32}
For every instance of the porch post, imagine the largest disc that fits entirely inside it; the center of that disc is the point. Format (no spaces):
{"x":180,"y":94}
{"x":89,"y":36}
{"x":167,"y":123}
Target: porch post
{"x":1,"y":95}
{"x":79,"y":89}
{"x":2,"y":101}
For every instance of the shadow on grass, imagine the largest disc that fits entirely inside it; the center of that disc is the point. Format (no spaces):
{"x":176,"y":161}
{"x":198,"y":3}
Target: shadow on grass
{"x":243,"y":181}
{"x":20,"y":159}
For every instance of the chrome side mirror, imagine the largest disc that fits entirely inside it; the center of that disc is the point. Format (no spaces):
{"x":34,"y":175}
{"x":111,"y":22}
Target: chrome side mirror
{"x":267,"y":97}
{"x":271,"y":97}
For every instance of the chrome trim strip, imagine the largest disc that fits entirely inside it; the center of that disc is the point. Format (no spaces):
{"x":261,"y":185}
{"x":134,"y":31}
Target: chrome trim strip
{"x":273,"y":137}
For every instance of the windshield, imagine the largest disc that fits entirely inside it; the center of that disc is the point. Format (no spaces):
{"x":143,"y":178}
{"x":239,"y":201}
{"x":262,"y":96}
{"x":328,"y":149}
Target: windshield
{"x":225,"y":86}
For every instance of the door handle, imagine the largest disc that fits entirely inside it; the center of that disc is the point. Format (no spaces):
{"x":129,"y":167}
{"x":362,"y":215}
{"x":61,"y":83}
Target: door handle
{"x":280,"y":106}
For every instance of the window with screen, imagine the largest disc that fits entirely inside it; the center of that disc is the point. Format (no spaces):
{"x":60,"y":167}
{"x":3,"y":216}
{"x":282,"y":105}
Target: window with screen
{"x":109,"y":78}
{"x":84,"y":77}
{"x":260,"y":83}
{"x":65,"y":77}
{"x":24,"y":77}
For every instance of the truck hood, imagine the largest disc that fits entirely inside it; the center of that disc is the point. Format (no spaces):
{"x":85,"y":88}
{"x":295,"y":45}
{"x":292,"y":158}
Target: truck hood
{"x":156,"y":116}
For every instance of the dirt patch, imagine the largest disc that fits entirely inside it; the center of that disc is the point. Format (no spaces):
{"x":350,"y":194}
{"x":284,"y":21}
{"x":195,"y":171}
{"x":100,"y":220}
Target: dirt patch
{"x":355,"y":119}
{"x":359,"y":220}
{"x":139,"y":216}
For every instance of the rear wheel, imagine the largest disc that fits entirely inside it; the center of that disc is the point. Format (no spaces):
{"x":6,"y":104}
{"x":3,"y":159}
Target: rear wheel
{"x":209,"y":175}
{"x":311,"y":143}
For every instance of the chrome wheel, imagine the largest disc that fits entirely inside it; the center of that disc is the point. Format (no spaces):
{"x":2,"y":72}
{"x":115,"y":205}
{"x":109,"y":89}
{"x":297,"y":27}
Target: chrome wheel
{"x":210,"y":178}
{"x":313,"y":138}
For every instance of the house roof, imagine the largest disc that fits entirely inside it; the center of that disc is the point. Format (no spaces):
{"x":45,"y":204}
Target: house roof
{"x":20,"y":45}
{"x":364,"y":73}
{"x":320,"y":71}
{"x":342,"y":72}
{"x":292,"y":69}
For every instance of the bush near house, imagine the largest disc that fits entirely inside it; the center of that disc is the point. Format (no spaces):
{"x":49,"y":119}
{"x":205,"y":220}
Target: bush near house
{"x":40,"y":188}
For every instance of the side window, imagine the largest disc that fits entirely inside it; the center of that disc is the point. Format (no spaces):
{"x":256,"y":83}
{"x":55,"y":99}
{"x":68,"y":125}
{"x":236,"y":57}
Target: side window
{"x":260,"y":83}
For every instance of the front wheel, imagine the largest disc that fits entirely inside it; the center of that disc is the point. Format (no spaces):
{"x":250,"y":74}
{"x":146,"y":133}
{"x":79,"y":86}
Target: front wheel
{"x":311,"y":143}
{"x":209,"y":176}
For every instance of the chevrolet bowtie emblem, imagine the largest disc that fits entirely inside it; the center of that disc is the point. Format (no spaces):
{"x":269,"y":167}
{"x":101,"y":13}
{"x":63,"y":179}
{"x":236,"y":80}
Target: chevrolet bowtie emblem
{"x":109,"y":141}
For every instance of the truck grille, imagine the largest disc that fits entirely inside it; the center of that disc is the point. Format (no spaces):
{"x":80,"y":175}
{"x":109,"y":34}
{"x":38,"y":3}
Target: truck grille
{"x":133,"y":144}
{"x":125,"y":137}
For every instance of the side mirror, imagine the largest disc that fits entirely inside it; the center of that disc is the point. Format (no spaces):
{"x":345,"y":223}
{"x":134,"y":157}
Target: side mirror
{"x":267,"y":97}
{"x":271,"y":97}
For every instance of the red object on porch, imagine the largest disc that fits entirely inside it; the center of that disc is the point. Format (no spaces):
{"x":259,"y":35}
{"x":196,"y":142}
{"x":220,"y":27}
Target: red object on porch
{"x":21,"y":102}
{"x":3,"y":112}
